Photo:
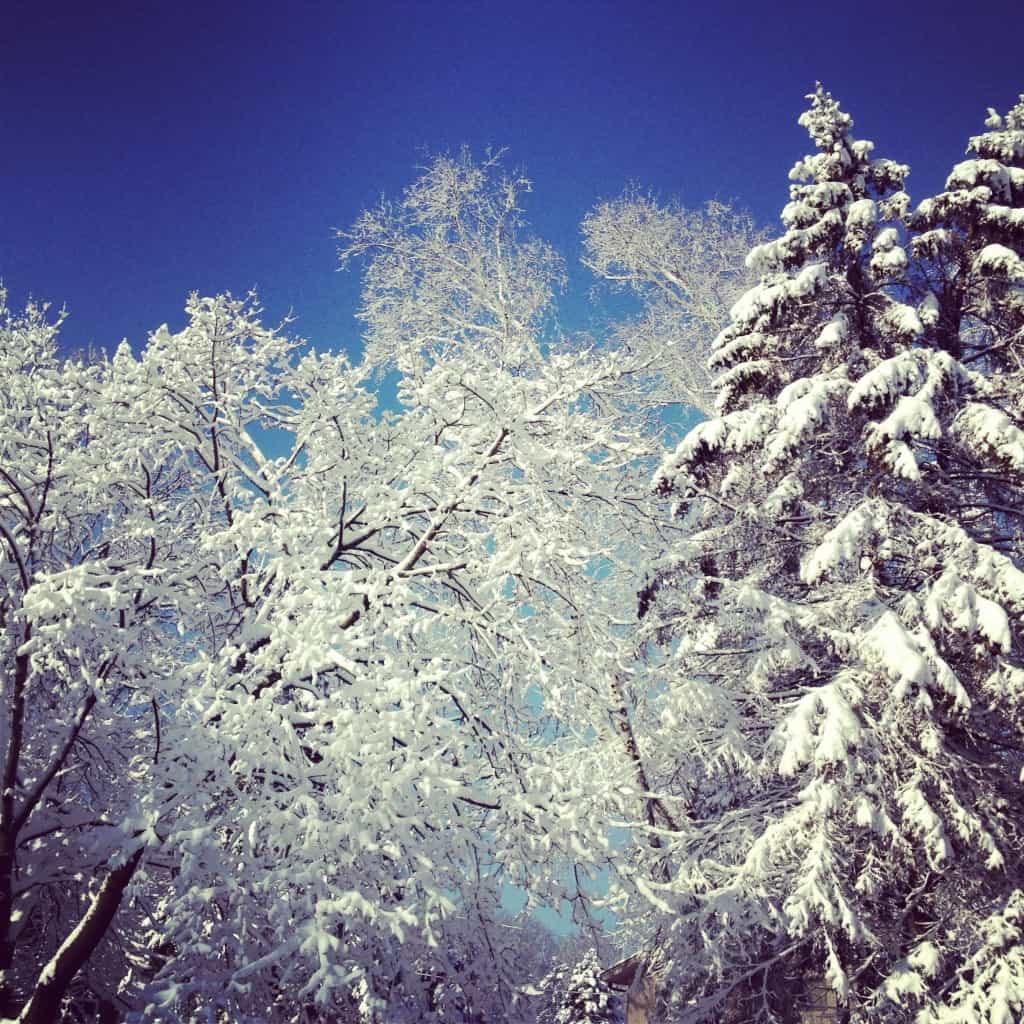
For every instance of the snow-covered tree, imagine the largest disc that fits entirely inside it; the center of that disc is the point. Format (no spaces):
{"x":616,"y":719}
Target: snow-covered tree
{"x":686,"y":267}
{"x":452,"y":272}
{"x":839,"y":745}
{"x":564,"y":953}
{"x":970,"y":247}
{"x":298,"y":718}
{"x":587,"y":999}
{"x":550,"y":989}
{"x":79,"y":615}
{"x":446,"y":271}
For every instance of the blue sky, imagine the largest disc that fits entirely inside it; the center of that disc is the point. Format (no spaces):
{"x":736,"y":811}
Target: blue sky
{"x":150,"y":149}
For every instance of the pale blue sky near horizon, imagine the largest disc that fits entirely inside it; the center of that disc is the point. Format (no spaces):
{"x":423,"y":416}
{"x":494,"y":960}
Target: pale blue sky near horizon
{"x":154,"y":149}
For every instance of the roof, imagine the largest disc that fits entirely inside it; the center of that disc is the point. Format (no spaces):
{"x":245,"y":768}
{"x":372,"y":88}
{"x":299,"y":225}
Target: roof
{"x":621,"y":975}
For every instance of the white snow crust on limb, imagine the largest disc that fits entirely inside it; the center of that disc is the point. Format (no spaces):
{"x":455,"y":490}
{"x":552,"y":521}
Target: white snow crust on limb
{"x":734,"y":432}
{"x":802,"y":407}
{"x":999,"y":260}
{"x":989,"y":971}
{"x":910,"y":389}
{"x":1000,"y":179}
{"x":848,"y":541}
{"x":913,"y":371}
{"x":990,"y":431}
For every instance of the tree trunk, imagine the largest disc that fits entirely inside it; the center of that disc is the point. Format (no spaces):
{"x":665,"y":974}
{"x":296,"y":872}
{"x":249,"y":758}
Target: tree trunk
{"x":43,"y":1006}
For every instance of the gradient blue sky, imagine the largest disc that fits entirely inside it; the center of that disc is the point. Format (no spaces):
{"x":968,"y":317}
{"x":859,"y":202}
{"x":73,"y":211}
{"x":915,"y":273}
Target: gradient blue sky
{"x":150,"y":149}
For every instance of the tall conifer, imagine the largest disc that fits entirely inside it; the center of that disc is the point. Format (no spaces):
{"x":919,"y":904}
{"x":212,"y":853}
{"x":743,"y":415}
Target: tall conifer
{"x":838,"y":631}
{"x":968,"y":255}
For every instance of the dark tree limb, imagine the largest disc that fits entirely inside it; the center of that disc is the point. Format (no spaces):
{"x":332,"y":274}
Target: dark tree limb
{"x":43,"y":1006}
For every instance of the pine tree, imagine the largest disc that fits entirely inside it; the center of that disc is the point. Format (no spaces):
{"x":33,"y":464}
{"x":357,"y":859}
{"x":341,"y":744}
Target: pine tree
{"x":969,"y":249}
{"x":969,"y":240}
{"x":587,"y":999}
{"x":836,"y":629}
